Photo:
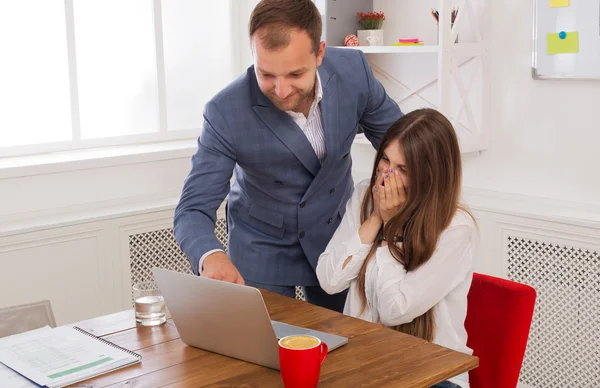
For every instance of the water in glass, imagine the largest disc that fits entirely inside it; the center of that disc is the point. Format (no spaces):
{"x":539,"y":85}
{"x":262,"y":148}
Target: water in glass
{"x":150,"y":309}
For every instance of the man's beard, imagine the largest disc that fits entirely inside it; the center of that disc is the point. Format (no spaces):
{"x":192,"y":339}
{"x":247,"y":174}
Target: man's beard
{"x":296,"y":101}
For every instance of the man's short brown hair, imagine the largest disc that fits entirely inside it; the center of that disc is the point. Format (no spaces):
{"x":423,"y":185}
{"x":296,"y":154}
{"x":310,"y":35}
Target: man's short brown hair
{"x":276,"y":19}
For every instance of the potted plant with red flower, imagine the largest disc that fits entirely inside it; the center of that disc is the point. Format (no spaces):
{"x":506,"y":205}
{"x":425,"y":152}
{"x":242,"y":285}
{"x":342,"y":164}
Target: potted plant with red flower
{"x":372,"y":34}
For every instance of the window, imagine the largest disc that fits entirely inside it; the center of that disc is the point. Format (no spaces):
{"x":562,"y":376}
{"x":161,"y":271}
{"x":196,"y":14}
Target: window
{"x":86,"y":73}
{"x":320,"y":5}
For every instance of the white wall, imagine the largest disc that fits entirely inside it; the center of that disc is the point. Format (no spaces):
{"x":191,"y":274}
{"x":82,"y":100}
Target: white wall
{"x":64,"y":236}
{"x":72,"y":192}
{"x":545,"y":134}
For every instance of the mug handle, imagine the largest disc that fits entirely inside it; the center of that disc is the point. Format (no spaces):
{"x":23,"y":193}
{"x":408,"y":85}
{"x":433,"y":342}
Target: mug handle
{"x":324,"y":351}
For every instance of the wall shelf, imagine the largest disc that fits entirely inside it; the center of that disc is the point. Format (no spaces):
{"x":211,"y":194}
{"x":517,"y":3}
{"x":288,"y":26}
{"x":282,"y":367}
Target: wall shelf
{"x":463,"y":72}
{"x":395,"y":49}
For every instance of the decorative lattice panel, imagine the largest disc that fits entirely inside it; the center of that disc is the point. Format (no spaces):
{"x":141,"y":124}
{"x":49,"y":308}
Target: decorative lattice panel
{"x":299,"y":293}
{"x":564,"y":342}
{"x":221,"y":231}
{"x":158,"y":248}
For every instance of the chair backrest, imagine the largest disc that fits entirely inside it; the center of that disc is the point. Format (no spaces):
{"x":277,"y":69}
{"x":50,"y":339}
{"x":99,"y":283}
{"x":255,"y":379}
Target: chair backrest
{"x":499,"y":315}
{"x":22,"y":318}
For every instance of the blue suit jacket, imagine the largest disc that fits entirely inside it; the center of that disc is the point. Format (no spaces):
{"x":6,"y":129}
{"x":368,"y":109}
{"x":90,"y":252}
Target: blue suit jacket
{"x":284,"y":205}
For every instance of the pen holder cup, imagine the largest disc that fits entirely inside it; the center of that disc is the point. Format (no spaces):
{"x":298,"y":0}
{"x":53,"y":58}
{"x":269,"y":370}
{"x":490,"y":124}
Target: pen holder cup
{"x":438,"y":33}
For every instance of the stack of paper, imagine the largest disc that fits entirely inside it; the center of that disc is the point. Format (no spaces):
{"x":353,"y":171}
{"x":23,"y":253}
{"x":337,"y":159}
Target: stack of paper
{"x":58,"y":357}
{"x":408,"y":42}
{"x":11,"y":379}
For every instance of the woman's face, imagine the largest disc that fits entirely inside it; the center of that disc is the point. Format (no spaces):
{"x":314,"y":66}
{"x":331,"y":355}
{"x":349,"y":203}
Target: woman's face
{"x":393,"y":158}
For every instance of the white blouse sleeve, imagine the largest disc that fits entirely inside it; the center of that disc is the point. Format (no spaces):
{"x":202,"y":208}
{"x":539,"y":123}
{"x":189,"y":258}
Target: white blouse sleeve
{"x":344,"y":243}
{"x":400,"y":299}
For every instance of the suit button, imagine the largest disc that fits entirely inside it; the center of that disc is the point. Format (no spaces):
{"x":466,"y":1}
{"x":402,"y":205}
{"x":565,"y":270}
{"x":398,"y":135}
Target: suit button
{"x":329,"y":221}
{"x":303,"y":203}
{"x":301,"y":235}
{"x":332,"y":191}
{"x":280,"y":183}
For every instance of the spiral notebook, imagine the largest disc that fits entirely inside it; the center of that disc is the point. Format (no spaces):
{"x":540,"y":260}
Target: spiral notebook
{"x":57,"y":357}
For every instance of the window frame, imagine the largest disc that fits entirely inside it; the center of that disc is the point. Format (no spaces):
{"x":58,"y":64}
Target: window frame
{"x":163,"y":134}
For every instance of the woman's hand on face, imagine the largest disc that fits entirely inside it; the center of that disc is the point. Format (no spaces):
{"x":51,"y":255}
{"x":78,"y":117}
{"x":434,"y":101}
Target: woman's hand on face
{"x":392,"y":195}
{"x":369,"y":229}
{"x":377,"y":189}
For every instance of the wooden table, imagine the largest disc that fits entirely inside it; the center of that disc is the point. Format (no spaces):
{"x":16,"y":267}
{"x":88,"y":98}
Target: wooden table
{"x":374,"y":356}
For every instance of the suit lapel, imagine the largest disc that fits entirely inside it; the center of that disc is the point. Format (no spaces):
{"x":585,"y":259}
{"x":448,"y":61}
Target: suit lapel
{"x":282,"y":125}
{"x":329,"y":115}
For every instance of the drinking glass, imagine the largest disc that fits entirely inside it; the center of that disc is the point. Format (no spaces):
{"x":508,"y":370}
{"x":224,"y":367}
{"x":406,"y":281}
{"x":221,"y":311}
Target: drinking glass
{"x":150,"y":309}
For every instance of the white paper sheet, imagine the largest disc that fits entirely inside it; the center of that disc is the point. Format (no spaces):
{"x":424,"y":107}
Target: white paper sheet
{"x":59,"y":356}
{"x":11,"y":379}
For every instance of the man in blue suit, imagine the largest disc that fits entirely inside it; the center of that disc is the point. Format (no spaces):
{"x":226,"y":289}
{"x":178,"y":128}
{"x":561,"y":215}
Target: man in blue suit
{"x":286,"y":128}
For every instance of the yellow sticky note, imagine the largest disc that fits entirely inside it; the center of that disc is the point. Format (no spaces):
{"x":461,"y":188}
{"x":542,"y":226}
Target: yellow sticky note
{"x":570,"y":43}
{"x":559,"y":3}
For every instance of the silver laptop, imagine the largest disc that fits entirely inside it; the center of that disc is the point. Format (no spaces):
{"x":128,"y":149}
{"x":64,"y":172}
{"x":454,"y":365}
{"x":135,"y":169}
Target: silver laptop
{"x":227,"y":318}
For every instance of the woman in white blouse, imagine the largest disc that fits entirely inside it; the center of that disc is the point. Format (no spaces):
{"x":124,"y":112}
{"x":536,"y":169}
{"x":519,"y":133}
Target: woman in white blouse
{"x":405,"y":246}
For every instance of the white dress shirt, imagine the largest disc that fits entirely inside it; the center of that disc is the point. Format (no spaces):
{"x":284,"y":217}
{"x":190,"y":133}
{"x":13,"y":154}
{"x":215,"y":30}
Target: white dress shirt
{"x":394,"y":296}
{"x":311,"y":126}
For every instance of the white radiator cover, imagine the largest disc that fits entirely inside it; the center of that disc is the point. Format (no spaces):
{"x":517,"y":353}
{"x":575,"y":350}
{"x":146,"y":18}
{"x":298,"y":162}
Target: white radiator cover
{"x":158,"y":248}
{"x":155,"y":249}
{"x":564,"y":346}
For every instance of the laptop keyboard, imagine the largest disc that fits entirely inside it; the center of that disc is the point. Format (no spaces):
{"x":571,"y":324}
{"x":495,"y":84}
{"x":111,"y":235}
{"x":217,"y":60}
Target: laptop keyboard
{"x":284,"y":330}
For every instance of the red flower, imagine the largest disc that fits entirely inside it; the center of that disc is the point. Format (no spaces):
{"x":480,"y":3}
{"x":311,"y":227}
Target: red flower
{"x":371,"y":15}
{"x":371,"y":20}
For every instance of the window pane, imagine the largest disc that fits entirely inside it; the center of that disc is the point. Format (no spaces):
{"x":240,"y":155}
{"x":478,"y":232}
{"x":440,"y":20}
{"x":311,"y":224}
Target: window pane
{"x":321,"y":6}
{"x":198,"y":62}
{"x":116,"y":65}
{"x":34,"y":76}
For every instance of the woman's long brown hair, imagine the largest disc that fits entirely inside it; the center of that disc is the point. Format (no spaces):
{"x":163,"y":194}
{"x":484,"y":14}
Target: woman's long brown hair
{"x":434,"y":174}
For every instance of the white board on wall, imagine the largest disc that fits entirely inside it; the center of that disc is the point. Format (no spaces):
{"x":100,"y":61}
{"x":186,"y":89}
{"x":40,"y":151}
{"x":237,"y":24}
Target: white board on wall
{"x":566,"y":39}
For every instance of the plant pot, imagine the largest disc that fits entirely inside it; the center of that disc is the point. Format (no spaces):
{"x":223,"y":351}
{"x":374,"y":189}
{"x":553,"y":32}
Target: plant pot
{"x":370,"y":37}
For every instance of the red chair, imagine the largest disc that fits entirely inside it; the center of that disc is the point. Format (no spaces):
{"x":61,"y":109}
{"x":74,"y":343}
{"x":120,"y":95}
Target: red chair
{"x":499,"y":314}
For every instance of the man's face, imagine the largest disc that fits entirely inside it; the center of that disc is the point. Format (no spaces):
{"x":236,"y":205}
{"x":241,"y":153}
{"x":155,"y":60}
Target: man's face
{"x":287,"y":75}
